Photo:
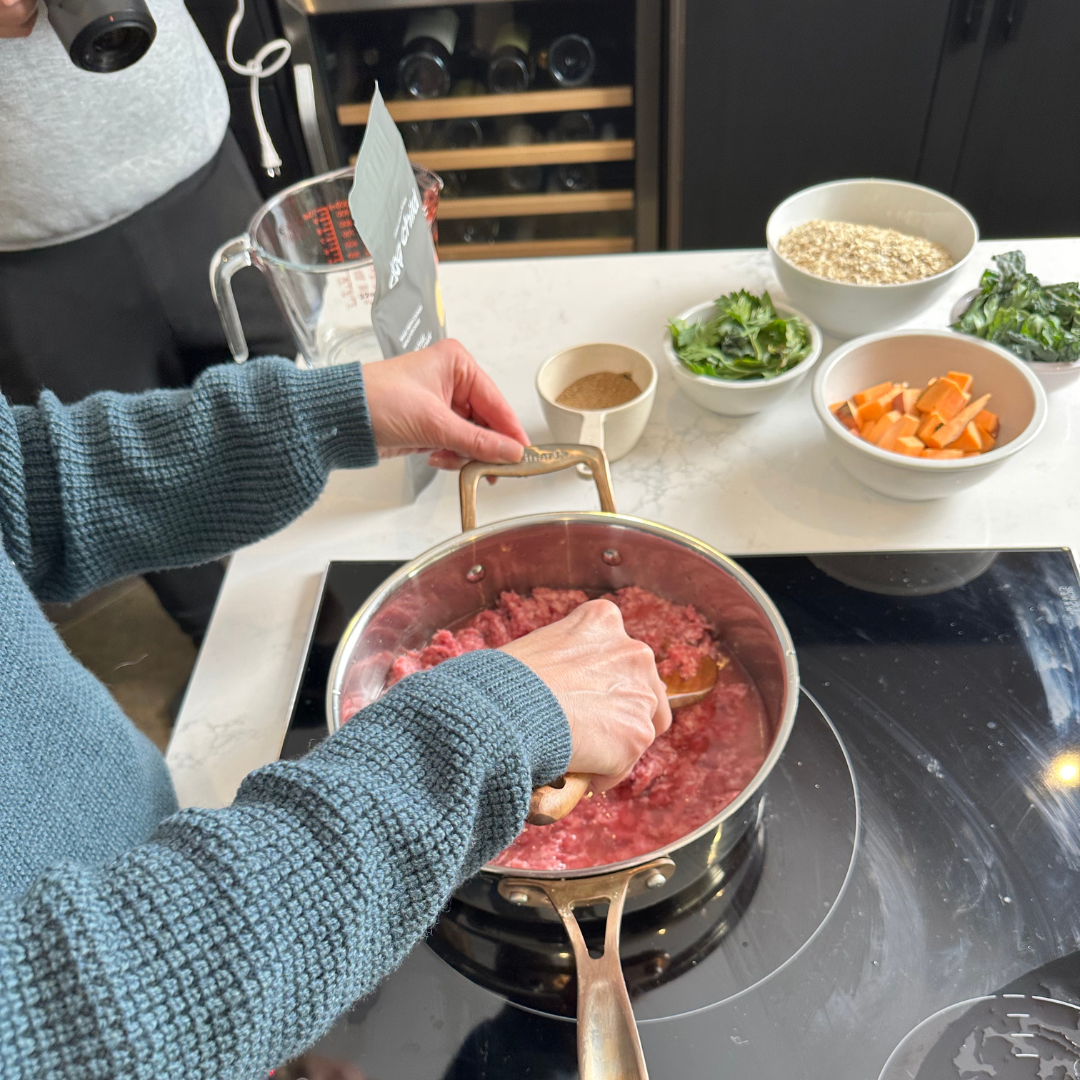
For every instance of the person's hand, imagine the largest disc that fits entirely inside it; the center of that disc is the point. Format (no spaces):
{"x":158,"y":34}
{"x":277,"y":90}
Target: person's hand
{"x":606,"y":683}
{"x":437,"y":401}
{"x":17,"y":18}
{"x":316,"y":1067}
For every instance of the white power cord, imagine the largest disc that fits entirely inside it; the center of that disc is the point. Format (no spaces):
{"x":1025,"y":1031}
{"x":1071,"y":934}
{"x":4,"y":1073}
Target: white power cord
{"x":255,"y":70}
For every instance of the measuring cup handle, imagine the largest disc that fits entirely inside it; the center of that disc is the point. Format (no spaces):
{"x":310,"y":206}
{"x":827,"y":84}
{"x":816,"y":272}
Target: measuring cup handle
{"x":536,"y":461}
{"x":230,"y":257}
{"x":591,"y":434}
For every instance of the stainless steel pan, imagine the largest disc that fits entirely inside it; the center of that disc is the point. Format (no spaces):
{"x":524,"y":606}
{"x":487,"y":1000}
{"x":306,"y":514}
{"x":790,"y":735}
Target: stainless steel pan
{"x":598,"y":553}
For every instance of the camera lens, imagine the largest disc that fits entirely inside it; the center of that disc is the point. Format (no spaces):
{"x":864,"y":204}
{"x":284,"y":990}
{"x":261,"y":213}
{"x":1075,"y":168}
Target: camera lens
{"x":115,"y":48}
{"x":103,"y":35}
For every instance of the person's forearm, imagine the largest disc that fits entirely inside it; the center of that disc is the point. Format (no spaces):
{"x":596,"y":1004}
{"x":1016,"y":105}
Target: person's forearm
{"x":118,"y":484}
{"x":232,"y":939}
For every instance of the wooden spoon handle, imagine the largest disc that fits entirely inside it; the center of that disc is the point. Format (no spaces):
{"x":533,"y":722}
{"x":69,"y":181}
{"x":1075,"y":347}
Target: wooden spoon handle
{"x":556,"y":800}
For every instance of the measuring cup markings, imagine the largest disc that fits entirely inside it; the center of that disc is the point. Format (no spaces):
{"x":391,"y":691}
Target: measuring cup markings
{"x":305,"y":241}
{"x":335,"y":231}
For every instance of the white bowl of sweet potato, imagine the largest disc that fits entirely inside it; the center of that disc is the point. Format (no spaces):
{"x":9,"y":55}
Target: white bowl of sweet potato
{"x":922,"y":414}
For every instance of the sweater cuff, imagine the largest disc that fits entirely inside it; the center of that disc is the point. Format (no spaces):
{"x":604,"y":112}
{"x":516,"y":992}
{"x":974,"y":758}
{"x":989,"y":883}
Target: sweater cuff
{"x":531,"y":709}
{"x":330,"y":410}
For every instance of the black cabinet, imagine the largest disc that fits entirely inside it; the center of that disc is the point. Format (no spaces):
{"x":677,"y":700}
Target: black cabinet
{"x":1019,"y":167}
{"x":972,"y":97}
{"x":785,"y":94}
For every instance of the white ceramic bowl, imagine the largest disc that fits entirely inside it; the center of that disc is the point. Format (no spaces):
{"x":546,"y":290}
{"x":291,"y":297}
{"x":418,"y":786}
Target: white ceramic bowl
{"x":739,"y":397}
{"x":1052,"y":375}
{"x":615,"y":430}
{"x":847,"y":310}
{"x":916,"y":356}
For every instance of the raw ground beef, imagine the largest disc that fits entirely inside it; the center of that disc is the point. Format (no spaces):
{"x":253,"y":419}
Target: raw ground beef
{"x":688,"y":775}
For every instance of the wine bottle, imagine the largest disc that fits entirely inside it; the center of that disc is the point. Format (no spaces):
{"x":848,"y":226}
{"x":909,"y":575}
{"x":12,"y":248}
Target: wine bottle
{"x":418,"y":135}
{"x":520,"y":179}
{"x":579,"y":176}
{"x":510,"y":69}
{"x":453,"y":184}
{"x":462,"y":133}
{"x":571,"y":61}
{"x":480,"y":231}
{"x":573,"y":127}
{"x":424,"y":69}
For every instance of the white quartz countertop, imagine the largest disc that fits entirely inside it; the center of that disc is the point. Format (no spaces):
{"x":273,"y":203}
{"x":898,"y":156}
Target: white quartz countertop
{"x":760,"y":484}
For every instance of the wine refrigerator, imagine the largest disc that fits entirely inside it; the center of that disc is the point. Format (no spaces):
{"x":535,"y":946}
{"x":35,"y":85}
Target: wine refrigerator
{"x":541,"y":116}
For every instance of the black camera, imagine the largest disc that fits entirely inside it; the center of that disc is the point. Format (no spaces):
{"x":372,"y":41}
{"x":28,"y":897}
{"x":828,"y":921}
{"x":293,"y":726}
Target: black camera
{"x":103,"y":35}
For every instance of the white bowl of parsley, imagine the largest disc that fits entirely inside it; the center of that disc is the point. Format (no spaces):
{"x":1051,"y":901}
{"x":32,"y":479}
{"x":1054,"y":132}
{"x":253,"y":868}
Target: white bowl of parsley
{"x":741,"y":353}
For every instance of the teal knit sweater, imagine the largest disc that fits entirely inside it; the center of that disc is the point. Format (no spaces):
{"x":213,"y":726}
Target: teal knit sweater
{"x":137,"y":941}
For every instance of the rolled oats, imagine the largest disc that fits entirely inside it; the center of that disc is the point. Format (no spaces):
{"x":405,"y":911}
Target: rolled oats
{"x":862,"y":254}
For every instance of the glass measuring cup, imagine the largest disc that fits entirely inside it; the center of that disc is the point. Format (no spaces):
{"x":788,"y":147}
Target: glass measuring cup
{"x":318,"y":270}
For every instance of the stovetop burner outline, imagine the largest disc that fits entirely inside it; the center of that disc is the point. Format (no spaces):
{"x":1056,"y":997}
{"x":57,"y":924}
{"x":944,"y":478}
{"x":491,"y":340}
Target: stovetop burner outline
{"x":848,"y":872}
{"x":778,"y":887}
{"x":909,"y":1057}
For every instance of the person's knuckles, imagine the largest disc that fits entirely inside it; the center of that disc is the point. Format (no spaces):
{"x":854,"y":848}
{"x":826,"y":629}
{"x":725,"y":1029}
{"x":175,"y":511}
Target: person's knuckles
{"x":603,"y":616}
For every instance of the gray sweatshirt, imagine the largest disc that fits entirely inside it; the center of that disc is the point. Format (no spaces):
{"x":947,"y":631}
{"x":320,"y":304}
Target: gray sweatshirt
{"x":80,"y":151}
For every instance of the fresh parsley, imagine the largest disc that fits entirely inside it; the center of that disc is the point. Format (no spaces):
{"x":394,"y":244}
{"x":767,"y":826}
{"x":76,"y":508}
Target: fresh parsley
{"x":745,"y":339}
{"x":1037,"y":322}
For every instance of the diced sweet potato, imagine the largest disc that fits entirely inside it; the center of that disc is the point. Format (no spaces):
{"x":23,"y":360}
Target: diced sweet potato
{"x":954,"y":427}
{"x":872,"y":393}
{"x":969,"y":439}
{"x":988,"y":422}
{"x":944,"y":398}
{"x":932,"y":422}
{"x":904,"y":400}
{"x":842,"y":411}
{"x":873,"y":410}
{"x":909,"y":446}
{"x":942,"y":455}
{"x":988,"y":441}
{"x":900,"y":429}
{"x":877,"y":429}
{"x":962,"y":379}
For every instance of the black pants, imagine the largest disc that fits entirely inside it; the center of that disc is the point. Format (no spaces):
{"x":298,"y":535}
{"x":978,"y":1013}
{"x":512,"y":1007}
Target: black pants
{"x":129,"y":308}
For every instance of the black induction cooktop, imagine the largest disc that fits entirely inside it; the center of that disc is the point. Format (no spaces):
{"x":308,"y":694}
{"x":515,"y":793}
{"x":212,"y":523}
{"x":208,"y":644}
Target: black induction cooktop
{"x":908,"y":907}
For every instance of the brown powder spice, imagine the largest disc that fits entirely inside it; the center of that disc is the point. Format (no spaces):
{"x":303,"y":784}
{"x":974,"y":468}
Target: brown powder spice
{"x":862,"y":254}
{"x":601,"y":390}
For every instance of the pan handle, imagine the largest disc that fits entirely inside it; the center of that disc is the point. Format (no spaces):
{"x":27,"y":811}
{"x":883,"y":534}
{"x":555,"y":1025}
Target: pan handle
{"x":608,"y":1044}
{"x":536,"y":461}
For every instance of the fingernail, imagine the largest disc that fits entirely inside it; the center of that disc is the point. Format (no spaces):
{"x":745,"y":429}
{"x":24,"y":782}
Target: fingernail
{"x":510,"y":452}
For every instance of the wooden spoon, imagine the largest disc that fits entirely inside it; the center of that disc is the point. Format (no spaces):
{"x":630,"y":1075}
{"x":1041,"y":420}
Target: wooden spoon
{"x":554,"y":801}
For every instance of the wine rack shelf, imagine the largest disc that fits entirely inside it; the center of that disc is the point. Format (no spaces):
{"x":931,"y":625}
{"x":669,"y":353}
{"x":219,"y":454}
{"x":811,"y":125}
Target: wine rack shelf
{"x":556,"y":202}
{"x":535,"y":101}
{"x":561,"y":153}
{"x":530,"y":249}
{"x":494,"y":157}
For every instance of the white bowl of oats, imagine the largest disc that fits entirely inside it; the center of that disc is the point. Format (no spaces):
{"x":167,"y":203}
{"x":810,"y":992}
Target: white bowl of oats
{"x":860,"y":256}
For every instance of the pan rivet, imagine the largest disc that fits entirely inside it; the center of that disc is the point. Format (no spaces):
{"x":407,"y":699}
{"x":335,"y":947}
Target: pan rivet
{"x":612,"y":557}
{"x":655,"y":880}
{"x":475,"y":573}
{"x":520,"y":897}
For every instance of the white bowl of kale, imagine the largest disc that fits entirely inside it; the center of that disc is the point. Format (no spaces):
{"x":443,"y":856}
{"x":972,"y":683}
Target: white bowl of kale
{"x":741,"y":353}
{"x":1039,"y":323}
